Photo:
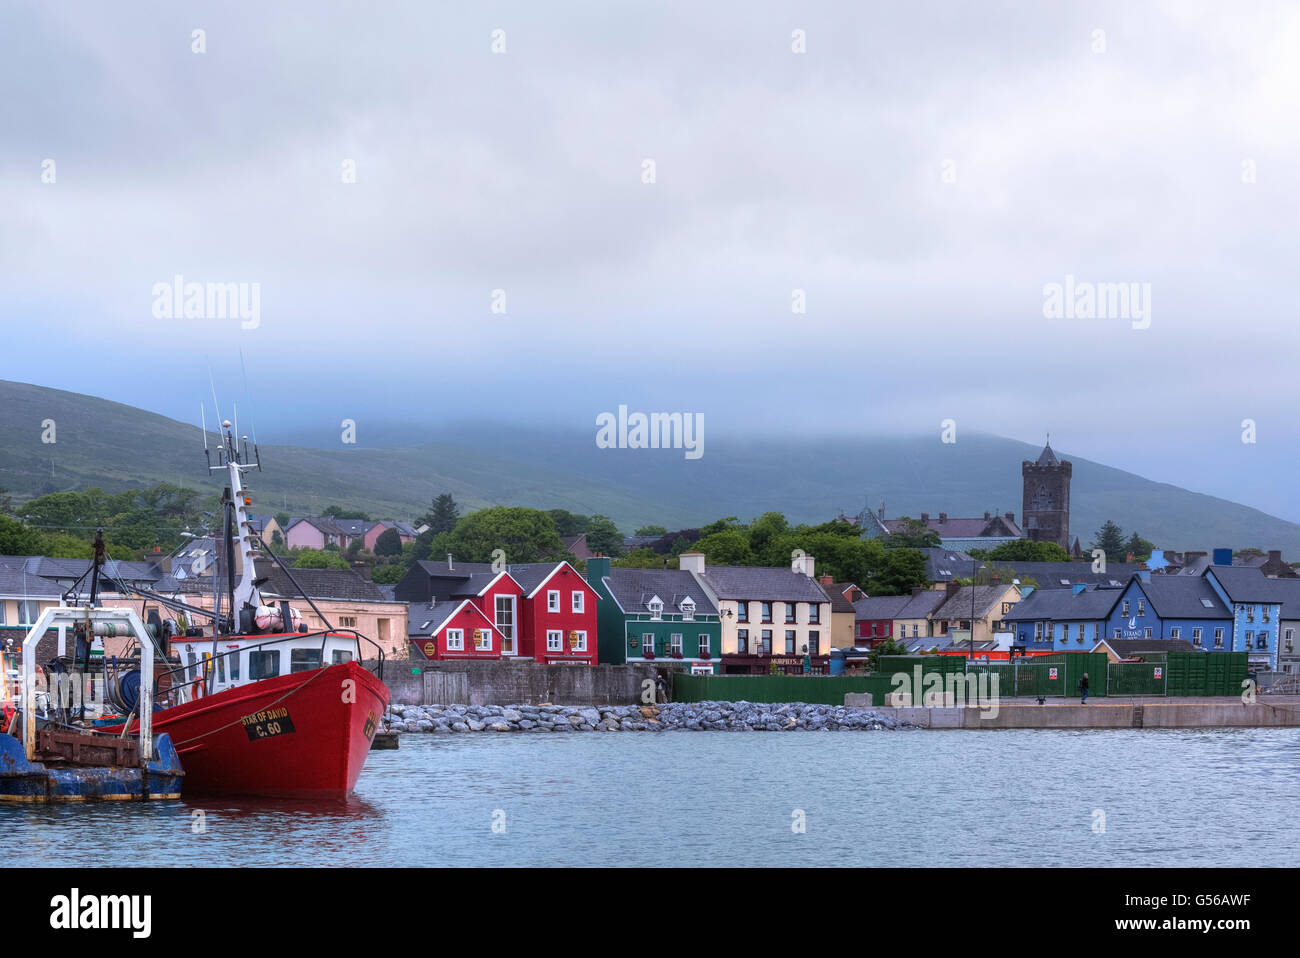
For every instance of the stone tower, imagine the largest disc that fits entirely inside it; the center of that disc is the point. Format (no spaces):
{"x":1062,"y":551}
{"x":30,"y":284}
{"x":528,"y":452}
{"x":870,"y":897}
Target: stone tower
{"x":1046,"y":509}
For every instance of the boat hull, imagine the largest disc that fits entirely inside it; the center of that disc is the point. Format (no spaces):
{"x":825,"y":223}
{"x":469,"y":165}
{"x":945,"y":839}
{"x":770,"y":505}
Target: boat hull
{"x":304,"y":735}
{"x":40,"y":782}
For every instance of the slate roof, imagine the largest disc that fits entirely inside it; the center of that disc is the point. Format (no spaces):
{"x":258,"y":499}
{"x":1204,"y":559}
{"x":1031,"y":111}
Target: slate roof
{"x":69,"y":569}
{"x":322,"y":584}
{"x":633,"y":588}
{"x":1062,"y":605}
{"x":994,"y":527}
{"x":1047,"y":457}
{"x":763,"y":584}
{"x":1247,"y":584}
{"x":958,"y":605}
{"x":880,"y":607}
{"x":836,"y":593}
{"x":1289,"y":592}
{"x":944,"y":565}
{"x":1050,"y":575}
{"x":19,"y":584}
{"x":425,"y":618}
{"x":1131,"y":647}
{"x":1179,"y":597}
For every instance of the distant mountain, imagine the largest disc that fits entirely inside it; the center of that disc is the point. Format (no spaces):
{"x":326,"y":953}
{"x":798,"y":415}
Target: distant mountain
{"x":108,"y":444}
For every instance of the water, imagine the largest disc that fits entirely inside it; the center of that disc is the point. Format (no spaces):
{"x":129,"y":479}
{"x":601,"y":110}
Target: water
{"x":1023,"y":797}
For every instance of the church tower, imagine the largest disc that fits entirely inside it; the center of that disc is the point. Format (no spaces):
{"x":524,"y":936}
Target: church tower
{"x":1046,"y":509}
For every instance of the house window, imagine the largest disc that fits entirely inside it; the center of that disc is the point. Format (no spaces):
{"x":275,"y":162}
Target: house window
{"x":656,"y":606}
{"x":505,"y":610}
{"x":483,"y":640}
{"x":675,"y":643}
{"x":688,"y":610}
{"x":1065,"y":632}
{"x":347,"y":621}
{"x":742,"y":640}
{"x":455,"y":640}
{"x":814,"y":613}
{"x":1250,"y":613}
{"x":789,"y":641}
{"x":553,"y":600}
{"x":2,"y":610}
{"x":1196,"y":636}
{"x":1175,"y":633}
{"x":1142,"y":607}
{"x":28,"y":611}
{"x":647,"y":642}
{"x":916,"y":629}
{"x":1124,"y":608}
{"x":814,"y":643}
{"x":1261,"y":642}
{"x":1146,"y":633}
{"x":1290,"y":643}
{"x":1218,"y":638}
{"x":555,"y":639}
{"x":578,"y":600}
{"x":766,"y":642}
{"x":1250,"y":637}
{"x":789,"y":611}
{"x":742,"y":611}
{"x":1038,"y":631}
{"x":1116,"y":633}
{"x":580,"y":640}
{"x":703,"y":638}
{"x":767,"y":611}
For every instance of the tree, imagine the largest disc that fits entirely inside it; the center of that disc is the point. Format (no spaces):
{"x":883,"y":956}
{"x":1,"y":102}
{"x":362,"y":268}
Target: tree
{"x":442,"y":515}
{"x":388,"y":574}
{"x":913,"y":534}
{"x":17,"y":539}
{"x":643,"y":531}
{"x":726,"y":547}
{"x":569,"y":523}
{"x":319,"y":559}
{"x":1025,"y":550}
{"x":338,"y":512}
{"x":7,"y":504}
{"x":389,"y":543}
{"x":603,"y":536}
{"x":525,"y":535}
{"x":282,"y":519}
{"x":901,"y":570}
{"x":885,"y":647}
{"x":645,"y":559}
{"x":1140,"y":549}
{"x":1110,"y":539}
{"x":766,"y":528}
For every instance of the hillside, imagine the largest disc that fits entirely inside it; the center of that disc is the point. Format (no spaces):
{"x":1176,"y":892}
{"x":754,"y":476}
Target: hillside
{"x":116,"y":446}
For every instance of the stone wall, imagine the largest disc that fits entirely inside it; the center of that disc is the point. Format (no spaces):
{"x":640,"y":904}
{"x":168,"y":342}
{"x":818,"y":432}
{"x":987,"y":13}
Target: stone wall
{"x":515,"y":683}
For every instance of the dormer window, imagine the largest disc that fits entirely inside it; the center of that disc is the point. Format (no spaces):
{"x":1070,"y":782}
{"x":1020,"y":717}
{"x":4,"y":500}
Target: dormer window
{"x":656,"y":607}
{"x":688,"y":609}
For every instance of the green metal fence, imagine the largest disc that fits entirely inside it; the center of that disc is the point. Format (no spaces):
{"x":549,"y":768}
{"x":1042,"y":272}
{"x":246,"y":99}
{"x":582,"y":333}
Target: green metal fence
{"x":1174,"y":673}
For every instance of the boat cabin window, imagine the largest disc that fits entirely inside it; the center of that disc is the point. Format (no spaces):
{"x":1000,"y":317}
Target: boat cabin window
{"x":304,"y":660}
{"x":339,"y":656}
{"x":193,"y":671}
{"x":233,"y":659}
{"x":263,"y":664}
{"x":221,"y":669}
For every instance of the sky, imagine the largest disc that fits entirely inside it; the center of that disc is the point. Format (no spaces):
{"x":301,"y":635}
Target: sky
{"x":921,"y":172}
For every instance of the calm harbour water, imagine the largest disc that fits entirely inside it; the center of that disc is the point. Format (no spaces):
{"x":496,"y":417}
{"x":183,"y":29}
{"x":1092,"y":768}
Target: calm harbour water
{"x":1221,"y":797}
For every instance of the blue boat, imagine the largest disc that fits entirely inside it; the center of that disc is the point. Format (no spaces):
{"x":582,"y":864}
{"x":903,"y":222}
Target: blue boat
{"x":48,"y":760}
{"x":101,"y":774}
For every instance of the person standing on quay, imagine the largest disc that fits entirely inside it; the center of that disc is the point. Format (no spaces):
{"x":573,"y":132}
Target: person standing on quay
{"x":1083,"y":689}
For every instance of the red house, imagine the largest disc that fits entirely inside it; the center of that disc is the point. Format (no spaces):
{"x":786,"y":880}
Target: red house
{"x":558,"y":613}
{"x":540,"y":610}
{"x":453,"y":630}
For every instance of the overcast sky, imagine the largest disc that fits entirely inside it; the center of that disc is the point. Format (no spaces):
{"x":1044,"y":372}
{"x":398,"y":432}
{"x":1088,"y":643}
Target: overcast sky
{"x":922,"y":171}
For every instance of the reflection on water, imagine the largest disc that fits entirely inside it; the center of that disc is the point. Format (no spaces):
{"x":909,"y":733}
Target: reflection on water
{"x":716,"y":798}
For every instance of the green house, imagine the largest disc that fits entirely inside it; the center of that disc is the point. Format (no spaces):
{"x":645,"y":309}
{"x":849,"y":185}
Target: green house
{"x":655,"y":615}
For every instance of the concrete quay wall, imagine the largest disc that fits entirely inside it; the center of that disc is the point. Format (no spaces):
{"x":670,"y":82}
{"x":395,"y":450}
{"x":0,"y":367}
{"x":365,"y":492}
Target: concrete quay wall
{"x":1172,"y":713}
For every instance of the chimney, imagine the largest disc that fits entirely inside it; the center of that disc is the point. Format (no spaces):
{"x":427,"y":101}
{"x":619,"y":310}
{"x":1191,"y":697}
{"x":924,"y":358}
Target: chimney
{"x":450,"y":567}
{"x":917,"y":590}
{"x":691,"y":561}
{"x":825,"y":579}
{"x":1189,"y":556}
{"x":807,"y":563}
{"x":1274,"y":555}
{"x":987,"y":515}
{"x":925,"y":517}
{"x":943,"y":517}
{"x":1009,"y":516}
{"x":950,"y":589}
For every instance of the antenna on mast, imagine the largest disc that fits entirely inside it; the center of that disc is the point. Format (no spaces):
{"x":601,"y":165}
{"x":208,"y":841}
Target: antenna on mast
{"x":203,"y":419}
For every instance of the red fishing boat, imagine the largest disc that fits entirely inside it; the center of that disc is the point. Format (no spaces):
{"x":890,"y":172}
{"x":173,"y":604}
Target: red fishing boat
{"x":259,"y":706}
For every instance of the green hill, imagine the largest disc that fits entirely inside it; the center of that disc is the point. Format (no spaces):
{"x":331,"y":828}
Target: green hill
{"x":116,"y":446}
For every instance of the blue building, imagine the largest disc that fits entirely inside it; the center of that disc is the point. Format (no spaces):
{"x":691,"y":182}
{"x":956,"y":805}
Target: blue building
{"x":1255,"y":602}
{"x":1171,"y":607}
{"x":1063,"y":620}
